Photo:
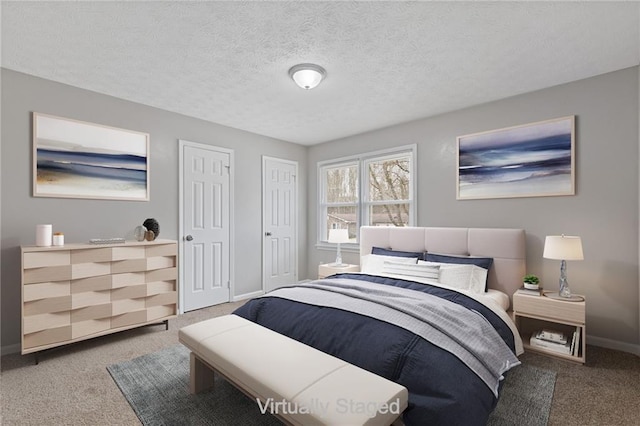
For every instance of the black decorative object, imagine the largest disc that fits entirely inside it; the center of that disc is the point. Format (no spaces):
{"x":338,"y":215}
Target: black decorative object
{"x":152,"y":225}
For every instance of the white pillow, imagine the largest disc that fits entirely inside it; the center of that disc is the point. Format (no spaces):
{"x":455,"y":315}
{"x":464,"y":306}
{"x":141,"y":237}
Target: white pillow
{"x":465,"y":277}
{"x":373,"y":264}
{"x":411,"y":271}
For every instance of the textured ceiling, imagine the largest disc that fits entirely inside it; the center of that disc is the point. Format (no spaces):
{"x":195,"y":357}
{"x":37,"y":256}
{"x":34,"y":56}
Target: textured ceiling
{"x":387,"y":62}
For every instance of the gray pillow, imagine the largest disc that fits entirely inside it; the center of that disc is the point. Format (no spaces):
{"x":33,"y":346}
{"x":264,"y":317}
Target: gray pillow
{"x":397,"y":253}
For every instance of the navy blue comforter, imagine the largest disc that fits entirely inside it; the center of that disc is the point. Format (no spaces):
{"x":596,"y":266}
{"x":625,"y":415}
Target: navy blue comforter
{"x":442,"y":390}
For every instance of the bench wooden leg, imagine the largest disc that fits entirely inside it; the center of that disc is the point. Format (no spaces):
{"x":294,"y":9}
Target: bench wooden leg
{"x":200,"y":375}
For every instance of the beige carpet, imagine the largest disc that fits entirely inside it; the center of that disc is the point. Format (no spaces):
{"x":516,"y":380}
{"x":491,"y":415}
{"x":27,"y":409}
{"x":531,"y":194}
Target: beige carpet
{"x":71,"y":385}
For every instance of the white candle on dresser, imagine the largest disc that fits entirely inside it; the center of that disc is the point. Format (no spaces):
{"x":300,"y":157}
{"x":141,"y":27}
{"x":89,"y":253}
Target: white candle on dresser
{"x":43,"y":235}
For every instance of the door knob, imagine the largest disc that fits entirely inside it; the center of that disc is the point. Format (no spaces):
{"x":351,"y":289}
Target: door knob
{"x":188,"y":238}
{"x":267,"y":234}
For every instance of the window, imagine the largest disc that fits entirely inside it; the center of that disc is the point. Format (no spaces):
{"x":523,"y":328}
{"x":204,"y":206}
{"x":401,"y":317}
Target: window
{"x":372,"y":189}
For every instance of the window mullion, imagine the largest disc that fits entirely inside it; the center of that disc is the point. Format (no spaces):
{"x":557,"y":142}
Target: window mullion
{"x":363,"y":210}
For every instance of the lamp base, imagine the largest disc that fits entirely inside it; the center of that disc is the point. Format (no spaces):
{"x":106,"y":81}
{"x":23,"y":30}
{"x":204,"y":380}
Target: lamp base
{"x":555,"y":295}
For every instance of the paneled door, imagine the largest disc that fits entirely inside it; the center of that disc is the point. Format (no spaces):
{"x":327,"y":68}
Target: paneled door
{"x":279,"y":207}
{"x":205,"y":225}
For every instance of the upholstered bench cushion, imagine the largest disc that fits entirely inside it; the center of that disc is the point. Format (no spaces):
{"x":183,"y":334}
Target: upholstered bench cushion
{"x":274,"y":368}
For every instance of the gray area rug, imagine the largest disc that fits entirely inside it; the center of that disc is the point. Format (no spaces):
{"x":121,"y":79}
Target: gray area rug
{"x":525,"y":398}
{"x":157,"y":388}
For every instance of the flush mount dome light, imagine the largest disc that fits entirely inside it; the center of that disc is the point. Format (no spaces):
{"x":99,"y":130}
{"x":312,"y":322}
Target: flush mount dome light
{"x":307,"y":76}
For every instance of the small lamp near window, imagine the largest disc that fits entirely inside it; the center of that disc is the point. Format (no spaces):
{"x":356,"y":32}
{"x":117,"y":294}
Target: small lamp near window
{"x":563,"y":248}
{"x":338,"y":236}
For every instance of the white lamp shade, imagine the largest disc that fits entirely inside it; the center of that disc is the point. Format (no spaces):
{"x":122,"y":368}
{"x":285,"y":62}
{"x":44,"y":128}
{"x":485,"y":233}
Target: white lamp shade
{"x":338,"y":236}
{"x":307,"y":76}
{"x":563,"y":247}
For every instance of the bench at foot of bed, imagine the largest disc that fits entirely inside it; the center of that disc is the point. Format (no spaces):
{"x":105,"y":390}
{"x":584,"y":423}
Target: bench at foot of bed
{"x":297,"y":383}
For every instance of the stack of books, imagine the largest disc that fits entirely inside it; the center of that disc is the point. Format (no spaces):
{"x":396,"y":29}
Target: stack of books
{"x":523,"y":290}
{"x":556,"y":341}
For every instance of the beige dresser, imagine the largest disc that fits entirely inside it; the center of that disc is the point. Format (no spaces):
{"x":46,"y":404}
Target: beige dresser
{"x":79,"y":291}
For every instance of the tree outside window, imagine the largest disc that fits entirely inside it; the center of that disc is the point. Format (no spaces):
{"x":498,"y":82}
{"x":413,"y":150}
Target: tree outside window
{"x":342,"y":198}
{"x":389,"y":191}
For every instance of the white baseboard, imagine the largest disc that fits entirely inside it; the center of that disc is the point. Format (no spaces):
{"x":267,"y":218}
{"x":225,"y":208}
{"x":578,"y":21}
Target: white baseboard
{"x":10,"y":349}
{"x":613,"y":344}
{"x":247,"y":296}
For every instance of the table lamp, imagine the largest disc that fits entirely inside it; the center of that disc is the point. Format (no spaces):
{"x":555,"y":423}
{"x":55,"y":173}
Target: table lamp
{"x":563,"y":247}
{"x":338,"y":236}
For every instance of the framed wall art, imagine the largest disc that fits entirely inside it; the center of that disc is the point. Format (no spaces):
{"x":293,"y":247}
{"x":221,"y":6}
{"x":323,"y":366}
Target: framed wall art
{"x":76,"y":159}
{"x":531,"y":160}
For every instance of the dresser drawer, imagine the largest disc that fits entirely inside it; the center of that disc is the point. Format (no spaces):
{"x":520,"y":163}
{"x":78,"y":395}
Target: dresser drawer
{"x":46,"y":337}
{"x":44,"y":259}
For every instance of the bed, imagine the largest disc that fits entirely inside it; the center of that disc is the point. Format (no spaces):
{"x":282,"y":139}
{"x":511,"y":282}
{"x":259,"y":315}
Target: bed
{"x":449,"y":344}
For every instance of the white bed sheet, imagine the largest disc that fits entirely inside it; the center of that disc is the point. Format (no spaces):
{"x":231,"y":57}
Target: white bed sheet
{"x":501,"y":298}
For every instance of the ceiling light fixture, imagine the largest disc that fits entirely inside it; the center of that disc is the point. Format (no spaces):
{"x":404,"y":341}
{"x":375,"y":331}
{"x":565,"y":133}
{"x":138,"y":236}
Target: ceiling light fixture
{"x":307,"y":76}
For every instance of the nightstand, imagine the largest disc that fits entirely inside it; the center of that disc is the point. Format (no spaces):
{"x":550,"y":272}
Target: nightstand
{"x":535,"y":313}
{"x":326,"y":269}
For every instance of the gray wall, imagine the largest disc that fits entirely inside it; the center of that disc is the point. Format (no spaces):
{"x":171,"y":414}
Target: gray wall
{"x":83,"y":219}
{"x":604,"y":211}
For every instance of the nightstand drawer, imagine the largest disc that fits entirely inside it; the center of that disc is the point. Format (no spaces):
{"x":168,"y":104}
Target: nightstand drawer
{"x":327,"y":269}
{"x":545,"y":307}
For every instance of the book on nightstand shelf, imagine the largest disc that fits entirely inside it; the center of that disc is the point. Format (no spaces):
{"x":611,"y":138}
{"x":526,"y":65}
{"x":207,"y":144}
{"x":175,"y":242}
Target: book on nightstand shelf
{"x":529,"y":292}
{"x":563,"y":348}
{"x":552,"y":336}
{"x":575,"y":342}
{"x":557,"y":342}
{"x":551,"y":346}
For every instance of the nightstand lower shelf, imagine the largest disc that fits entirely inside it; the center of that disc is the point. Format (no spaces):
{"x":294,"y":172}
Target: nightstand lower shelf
{"x":528,"y":325}
{"x":529,"y":348}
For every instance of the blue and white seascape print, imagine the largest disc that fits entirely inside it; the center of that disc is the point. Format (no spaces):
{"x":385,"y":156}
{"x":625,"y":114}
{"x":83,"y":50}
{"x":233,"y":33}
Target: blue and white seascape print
{"x":525,"y":161}
{"x":82,"y":160}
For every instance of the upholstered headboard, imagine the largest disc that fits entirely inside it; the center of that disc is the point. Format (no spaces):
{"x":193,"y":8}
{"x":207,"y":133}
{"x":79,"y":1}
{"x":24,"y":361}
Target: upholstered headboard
{"x":505,"y":246}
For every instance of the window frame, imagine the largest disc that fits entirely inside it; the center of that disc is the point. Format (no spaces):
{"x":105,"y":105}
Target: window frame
{"x":363,"y":203}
